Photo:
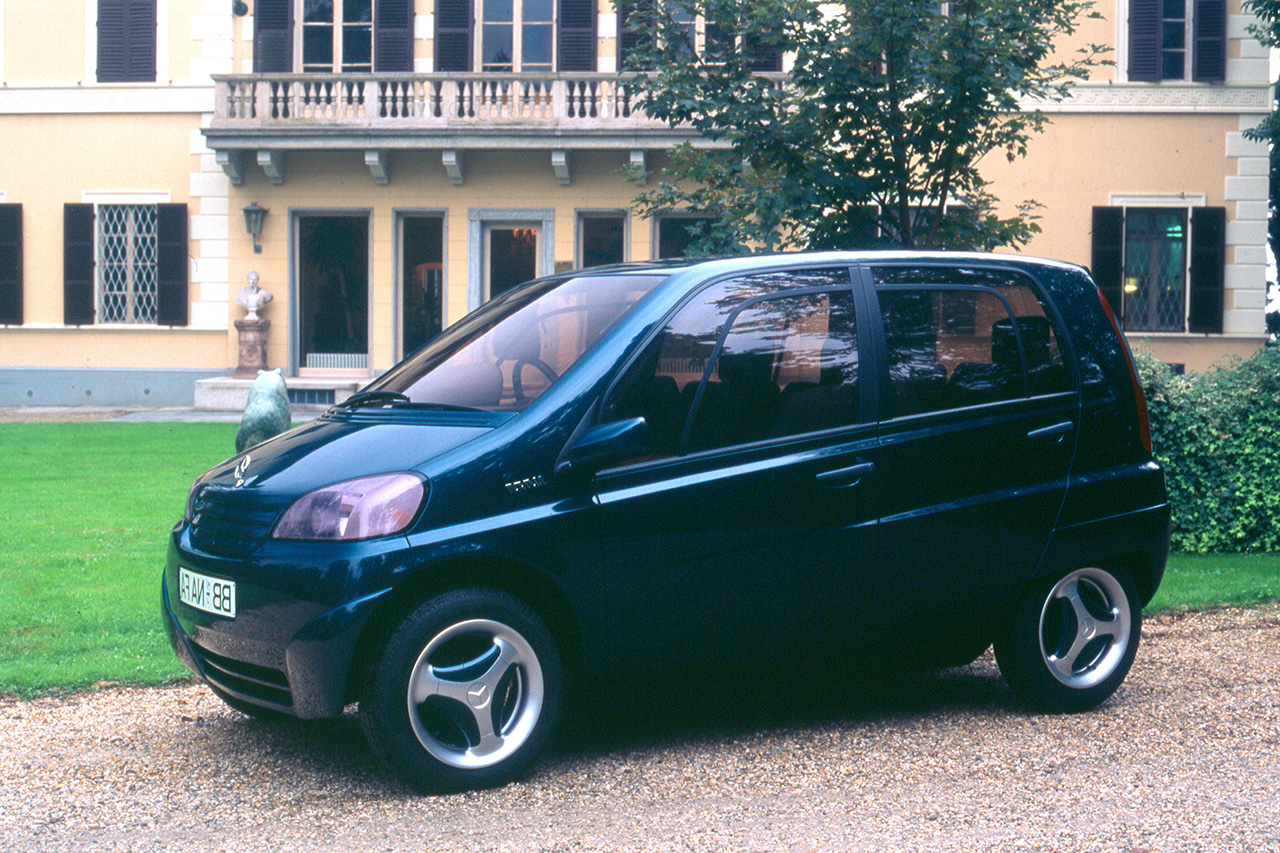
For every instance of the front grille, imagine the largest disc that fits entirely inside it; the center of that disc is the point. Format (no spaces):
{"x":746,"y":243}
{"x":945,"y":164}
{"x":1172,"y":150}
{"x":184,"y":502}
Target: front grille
{"x":244,"y":679}
{"x":229,"y":523}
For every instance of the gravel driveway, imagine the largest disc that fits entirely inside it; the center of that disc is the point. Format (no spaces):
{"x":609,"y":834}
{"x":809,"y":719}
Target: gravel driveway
{"x":1186,"y":756}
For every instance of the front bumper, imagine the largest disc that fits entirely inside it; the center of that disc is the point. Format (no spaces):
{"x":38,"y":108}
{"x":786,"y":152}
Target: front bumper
{"x":285,"y":650}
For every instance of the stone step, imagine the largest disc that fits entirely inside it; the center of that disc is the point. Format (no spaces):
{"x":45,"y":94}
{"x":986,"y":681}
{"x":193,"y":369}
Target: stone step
{"x":306,"y":394}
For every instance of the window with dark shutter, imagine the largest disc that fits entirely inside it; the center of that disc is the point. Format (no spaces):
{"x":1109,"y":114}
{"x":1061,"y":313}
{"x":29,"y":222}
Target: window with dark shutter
{"x":453,"y":35}
{"x":760,"y":56}
{"x":632,"y":42}
{"x":126,"y":41}
{"x":1208,"y":265}
{"x":11,"y":264}
{"x":1108,"y":254}
{"x":1144,"y":42}
{"x":577,"y":35}
{"x":171,"y":265}
{"x":77,"y":264}
{"x":1209,"y":53}
{"x":273,"y":36}
{"x":393,"y":38}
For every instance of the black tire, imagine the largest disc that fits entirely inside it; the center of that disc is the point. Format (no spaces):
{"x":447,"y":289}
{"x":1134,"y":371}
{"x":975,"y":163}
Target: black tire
{"x":1072,"y":640}
{"x":465,"y":694}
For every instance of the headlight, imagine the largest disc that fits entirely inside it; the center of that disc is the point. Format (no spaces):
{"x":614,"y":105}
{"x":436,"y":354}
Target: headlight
{"x":193,"y":495}
{"x":354,"y":509}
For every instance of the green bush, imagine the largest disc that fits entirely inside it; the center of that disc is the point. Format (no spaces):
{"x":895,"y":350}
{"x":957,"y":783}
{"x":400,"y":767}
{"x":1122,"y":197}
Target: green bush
{"x":1218,"y":436}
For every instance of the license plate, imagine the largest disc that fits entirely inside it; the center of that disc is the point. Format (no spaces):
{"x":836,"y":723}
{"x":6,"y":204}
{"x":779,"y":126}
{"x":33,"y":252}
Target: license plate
{"x":212,"y":595}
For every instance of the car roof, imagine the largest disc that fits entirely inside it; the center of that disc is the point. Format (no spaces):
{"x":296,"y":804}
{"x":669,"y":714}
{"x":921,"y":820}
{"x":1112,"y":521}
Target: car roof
{"x":735,"y":263}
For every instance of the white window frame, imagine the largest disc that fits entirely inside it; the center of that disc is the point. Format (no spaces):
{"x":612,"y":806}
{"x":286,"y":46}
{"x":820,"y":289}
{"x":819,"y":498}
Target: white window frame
{"x":336,"y":27}
{"x":1122,"y":45}
{"x":517,"y":37}
{"x":1176,"y":202}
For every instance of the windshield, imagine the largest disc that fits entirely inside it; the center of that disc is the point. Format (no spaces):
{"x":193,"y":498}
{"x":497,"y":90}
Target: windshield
{"x":505,"y":355}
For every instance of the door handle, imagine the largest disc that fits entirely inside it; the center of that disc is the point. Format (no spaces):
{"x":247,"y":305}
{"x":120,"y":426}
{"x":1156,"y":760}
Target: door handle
{"x":850,"y":476}
{"x":1049,"y":432}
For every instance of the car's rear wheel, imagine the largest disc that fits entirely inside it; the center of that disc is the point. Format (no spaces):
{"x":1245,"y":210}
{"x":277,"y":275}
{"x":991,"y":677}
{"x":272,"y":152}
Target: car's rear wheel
{"x":466,"y":692}
{"x":1073,"y":639}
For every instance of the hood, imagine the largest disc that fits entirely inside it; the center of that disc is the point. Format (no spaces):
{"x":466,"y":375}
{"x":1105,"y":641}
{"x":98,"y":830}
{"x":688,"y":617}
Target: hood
{"x":345,"y":445}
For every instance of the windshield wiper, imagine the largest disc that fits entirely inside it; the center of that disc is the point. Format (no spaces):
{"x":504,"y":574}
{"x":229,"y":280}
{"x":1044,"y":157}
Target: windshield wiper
{"x":356,"y":400}
{"x":448,"y":407}
{"x":397,"y":398}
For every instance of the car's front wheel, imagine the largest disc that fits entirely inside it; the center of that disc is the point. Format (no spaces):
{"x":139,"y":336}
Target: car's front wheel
{"x":466,"y":692}
{"x":1072,"y":640}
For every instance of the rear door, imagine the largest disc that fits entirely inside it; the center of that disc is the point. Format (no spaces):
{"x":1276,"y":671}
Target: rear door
{"x":749,"y":532}
{"x":978,"y":424}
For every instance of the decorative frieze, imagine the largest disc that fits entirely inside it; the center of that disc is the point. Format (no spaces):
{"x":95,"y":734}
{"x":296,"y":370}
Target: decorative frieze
{"x":1158,"y":98}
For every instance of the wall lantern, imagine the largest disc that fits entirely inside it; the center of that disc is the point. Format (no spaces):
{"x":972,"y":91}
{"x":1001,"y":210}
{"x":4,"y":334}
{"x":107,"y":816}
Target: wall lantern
{"x":253,"y":216}
{"x":239,"y":8}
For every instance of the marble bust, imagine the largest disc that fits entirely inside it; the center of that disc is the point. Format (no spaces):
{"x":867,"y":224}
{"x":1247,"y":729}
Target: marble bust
{"x":252,"y":298}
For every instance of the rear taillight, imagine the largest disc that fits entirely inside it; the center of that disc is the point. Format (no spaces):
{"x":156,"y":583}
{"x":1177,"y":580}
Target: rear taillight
{"x":1139,"y":398}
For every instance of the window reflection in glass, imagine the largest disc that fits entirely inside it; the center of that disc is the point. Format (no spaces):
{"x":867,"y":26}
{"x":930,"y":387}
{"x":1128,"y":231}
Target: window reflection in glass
{"x":787,"y":365}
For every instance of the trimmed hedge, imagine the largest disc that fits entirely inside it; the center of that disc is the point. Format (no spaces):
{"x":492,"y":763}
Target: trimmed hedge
{"x":1218,"y":436}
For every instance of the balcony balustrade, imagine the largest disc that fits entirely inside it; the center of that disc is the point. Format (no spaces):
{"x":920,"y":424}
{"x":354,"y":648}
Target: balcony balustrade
{"x":434,"y":102}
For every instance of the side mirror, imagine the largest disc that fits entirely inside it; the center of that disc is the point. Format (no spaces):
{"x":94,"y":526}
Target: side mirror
{"x":603,"y":445}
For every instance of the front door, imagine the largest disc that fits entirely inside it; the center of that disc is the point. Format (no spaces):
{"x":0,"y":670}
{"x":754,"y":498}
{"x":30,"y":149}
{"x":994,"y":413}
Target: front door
{"x":748,"y":531}
{"x":333,"y":292}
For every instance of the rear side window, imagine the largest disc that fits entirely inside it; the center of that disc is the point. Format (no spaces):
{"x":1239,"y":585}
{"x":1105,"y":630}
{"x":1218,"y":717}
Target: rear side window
{"x":748,"y":360}
{"x":951,"y":347}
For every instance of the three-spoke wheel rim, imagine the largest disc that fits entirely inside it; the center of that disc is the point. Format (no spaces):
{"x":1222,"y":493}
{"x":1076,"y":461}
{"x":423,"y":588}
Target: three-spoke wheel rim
{"x":475,"y":694}
{"x":1085,"y":627}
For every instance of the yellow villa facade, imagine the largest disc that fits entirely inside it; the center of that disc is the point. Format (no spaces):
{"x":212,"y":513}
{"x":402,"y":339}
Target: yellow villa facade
{"x":415,"y":157}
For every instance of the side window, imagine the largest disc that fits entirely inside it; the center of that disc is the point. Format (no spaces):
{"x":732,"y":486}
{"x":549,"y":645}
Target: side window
{"x":949,"y":349}
{"x":661,"y":384}
{"x":754,"y":368}
{"x":1041,"y":347}
{"x":788,"y":365}
{"x":964,"y":337}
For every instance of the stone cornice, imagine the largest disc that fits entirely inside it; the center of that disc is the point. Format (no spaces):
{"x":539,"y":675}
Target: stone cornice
{"x":74,"y":99}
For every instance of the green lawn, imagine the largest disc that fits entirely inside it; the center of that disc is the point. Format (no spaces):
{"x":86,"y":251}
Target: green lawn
{"x":1196,"y":582}
{"x":87,"y":507}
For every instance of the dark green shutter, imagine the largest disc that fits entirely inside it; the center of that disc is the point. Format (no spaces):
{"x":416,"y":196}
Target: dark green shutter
{"x":1144,"y":41}
{"x":273,"y":36}
{"x":171,"y":265}
{"x":77,"y":264}
{"x":11,"y":264}
{"x":126,"y":41}
{"x":577,"y":36}
{"x":393,"y":36}
{"x":453,"y":35}
{"x":632,"y":14}
{"x":1108,"y":255}
{"x":1209,"y":50}
{"x":1208,"y":269}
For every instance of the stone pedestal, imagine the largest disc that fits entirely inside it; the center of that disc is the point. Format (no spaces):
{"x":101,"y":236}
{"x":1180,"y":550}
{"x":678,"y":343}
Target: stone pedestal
{"x":253,"y":347}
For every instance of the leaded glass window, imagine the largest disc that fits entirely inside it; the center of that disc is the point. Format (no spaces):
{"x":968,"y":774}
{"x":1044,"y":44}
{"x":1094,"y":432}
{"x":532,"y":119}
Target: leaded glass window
{"x":127,"y":263}
{"x":1155,"y":269}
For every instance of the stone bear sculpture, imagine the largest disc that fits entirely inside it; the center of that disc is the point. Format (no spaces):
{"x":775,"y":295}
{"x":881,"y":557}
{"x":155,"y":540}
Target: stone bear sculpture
{"x":266,"y":413}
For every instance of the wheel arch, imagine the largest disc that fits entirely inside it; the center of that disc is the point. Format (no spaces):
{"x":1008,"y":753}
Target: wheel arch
{"x":518,"y":580}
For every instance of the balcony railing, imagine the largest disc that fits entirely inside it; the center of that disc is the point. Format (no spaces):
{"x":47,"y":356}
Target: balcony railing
{"x":397,"y":102}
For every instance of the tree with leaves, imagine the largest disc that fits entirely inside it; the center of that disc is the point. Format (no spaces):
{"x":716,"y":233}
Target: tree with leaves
{"x":873,"y":132}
